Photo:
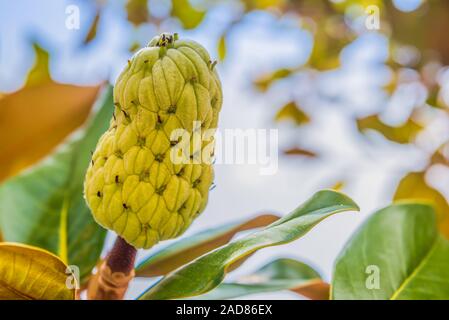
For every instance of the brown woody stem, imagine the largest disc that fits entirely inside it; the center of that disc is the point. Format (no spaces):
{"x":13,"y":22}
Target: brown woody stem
{"x":122,"y":256}
{"x":116,"y":271}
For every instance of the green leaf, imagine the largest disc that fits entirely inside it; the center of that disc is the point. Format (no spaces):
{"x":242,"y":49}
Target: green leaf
{"x":190,"y":248}
{"x":45,"y":207}
{"x":188,"y":15}
{"x":396,"y":254}
{"x":208,"y":271}
{"x":280,"y":274}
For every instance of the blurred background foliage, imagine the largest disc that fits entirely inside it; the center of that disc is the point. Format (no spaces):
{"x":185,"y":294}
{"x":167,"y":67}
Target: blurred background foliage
{"x":406,"y":106}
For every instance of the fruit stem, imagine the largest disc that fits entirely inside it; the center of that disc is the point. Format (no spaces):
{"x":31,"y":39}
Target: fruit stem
{"x":122,"y":257}
{"x":116,"y":271}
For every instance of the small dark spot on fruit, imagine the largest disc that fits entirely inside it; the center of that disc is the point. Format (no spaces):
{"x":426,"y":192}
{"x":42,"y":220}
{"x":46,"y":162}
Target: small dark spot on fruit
{"x":141,"y":141}
{"x":159,"y":157}
{"x":160,"y":190}
{"x":171,"y":109}
{"x":116,"y":179}
{"x":98,"y":194}
{"x":125,"y":206}
{"x":181,"y":172}
{"x":144,"y":175}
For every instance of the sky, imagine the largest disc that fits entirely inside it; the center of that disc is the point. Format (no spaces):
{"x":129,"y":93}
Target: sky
{"x":372,"y":168}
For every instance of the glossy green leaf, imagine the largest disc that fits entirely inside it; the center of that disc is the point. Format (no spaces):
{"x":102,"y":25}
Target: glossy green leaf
{"x":190,"y":248}
{"x":44,"y":206}
{"x":396,"y":254}
{"x":280,"y":274}
{"x":208,"y":271}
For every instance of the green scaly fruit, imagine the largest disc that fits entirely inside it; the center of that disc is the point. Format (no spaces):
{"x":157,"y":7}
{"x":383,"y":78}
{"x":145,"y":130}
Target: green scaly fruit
{"x":132,"y":186}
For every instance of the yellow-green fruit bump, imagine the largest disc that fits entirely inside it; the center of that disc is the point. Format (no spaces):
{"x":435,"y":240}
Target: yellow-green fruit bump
{"x":132,"y":186}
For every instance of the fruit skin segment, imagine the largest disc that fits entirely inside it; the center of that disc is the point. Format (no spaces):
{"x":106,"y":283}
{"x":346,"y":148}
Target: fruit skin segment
{"x":132,"y":186}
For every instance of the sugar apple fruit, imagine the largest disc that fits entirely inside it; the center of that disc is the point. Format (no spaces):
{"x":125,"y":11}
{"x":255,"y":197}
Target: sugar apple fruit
{"x":132,"y":186}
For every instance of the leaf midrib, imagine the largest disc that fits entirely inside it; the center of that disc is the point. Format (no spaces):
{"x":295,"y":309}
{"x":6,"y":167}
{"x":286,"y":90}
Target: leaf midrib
{"x":416,"y":270}
{"x":17,"y":292}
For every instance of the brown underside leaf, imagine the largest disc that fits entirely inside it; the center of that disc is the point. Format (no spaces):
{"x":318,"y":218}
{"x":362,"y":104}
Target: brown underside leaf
{"x":425,"y":28}
{"x":92,"y":33}
{"x":296,"y":151}
{"x":314,"y":290}
{"x":137,"y":11}
{"x":35,"y":119}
